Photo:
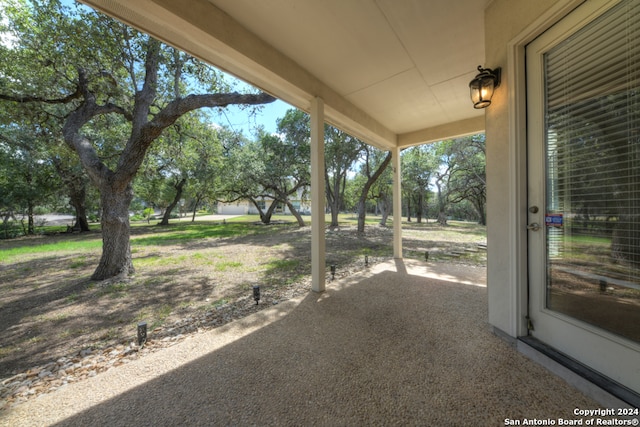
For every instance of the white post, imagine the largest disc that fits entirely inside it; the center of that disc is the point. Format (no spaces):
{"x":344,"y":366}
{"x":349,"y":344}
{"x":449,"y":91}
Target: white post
{"x":318,"y":268}
{"x":397,"y":203}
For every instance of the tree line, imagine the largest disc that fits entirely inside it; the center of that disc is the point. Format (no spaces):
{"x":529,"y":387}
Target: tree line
{"x":111,"y":120}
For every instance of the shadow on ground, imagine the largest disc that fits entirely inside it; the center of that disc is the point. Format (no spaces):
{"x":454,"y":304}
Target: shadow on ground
{"x":388,"y":347}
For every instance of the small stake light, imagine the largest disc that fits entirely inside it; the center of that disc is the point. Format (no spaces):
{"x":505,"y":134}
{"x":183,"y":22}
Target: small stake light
{"x":426,"y":255}
{"x":142,"y":333}
{"x":256,"y":293}
{"x":333,"y":271}
{"x":366,"y":260}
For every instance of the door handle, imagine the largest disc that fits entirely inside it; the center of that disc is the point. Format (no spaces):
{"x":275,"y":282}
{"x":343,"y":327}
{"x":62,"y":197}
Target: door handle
{"x":534,"y":226}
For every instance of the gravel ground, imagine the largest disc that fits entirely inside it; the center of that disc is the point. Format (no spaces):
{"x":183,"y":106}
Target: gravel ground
{"x":403,"y":343}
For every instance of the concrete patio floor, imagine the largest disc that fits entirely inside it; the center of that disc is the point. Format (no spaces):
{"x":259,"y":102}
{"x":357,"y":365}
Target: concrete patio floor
{"x":404,"y":343}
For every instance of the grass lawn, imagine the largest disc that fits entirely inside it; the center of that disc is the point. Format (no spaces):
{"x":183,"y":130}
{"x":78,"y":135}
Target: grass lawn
{"x":49,"y":307}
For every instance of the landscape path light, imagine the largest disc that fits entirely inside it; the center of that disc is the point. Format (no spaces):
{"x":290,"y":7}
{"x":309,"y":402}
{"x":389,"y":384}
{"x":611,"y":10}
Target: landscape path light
{"x":142,"y":333}
{"x":256,"y":293}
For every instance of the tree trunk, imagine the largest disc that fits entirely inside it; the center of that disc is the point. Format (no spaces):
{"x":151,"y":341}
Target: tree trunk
{"x":116,"y":261}
{"x":295,"y":213}
{"x":331,"y":204}
{"x":81,"y":221}
{"x":333,"y":199}
{"x":77,"y":191}
{"x":624,"y":247}
{"x":332,"y":189}
{"x":265,"y":217}
{"x":5,"y":224}
{"x":167,"y":213}
{"x":334,"y":217}
{"x":442,"y":218}
{"x":362,"y":212}
{"x":483,"y":218}
{"x":481,"y":213}
{"x":31,"y":228}
{"x":77,"y":201}
{"x":362,"y":201}
{"x":419,"y":208}
{"x":269,"y":213}
{"x":385,"y":210}
{"x":195,"y":208}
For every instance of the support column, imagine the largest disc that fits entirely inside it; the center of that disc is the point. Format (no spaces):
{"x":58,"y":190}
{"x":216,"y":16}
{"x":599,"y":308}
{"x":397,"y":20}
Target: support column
{"x":318,"y":267}
{"x":397,"y":203}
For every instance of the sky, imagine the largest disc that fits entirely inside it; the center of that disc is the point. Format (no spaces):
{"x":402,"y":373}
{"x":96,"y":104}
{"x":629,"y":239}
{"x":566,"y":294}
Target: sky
{"x":239,"y":120}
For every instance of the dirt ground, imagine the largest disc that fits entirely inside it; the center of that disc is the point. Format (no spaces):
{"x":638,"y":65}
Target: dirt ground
{"x":50,"y":309}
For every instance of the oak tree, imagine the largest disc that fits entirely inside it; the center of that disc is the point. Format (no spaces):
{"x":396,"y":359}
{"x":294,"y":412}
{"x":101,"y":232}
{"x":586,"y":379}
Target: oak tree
{"x":100,"y":70}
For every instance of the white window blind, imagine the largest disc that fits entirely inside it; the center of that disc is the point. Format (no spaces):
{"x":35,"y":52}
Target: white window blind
{"x":592,"y":115}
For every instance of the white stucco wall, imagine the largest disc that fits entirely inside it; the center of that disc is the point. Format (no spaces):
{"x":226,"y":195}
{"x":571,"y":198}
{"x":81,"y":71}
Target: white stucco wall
{"x":506,"y":21}
{"x":232,"y":208}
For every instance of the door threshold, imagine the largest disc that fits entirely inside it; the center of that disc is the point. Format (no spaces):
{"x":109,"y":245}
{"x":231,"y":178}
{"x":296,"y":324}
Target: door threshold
{"x":593,"y":384}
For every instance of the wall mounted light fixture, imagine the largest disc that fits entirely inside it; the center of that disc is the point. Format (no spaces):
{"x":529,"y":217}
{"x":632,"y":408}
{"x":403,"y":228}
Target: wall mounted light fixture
{"x":482,"y":86}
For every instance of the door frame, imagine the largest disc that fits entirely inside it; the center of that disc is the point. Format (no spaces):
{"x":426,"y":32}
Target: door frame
{"x":602,"y":351}
{"x":516,"y":80}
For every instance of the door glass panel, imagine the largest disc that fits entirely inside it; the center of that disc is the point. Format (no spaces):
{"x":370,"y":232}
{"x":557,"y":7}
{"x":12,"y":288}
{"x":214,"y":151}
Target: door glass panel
{"x":592,"y":217}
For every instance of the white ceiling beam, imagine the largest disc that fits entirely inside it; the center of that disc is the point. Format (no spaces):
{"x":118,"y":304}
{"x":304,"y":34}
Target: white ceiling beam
{"x":438,"y":133}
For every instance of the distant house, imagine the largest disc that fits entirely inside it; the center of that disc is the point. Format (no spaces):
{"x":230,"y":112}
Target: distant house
{"x":246,"y":207}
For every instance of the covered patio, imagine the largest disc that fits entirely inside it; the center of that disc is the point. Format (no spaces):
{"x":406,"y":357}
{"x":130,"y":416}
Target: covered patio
{"x":371,"y":68}
{"x":405,"y":343}
{"x":396,"y":74}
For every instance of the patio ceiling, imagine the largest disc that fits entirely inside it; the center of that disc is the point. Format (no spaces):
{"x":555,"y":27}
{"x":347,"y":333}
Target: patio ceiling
{"x":392,"y":72}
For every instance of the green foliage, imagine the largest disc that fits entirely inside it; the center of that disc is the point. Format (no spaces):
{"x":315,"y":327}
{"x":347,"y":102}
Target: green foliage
{"x":341,"y":153}
{"x":283,"y":264}
{"x":183,"y":232}
{"x":148,"y":213}
{"x":109,"y":93}
{"x":27,"y":174}
{"x":375,"y":185}
{"x":72,"y":297}
{"x":227,"y":265}
{"x":6,"y":255}
{"x":191,"y":151}
{"x":419,"y":166}
{"x":465,"y":178}
{"x":272,"y":170}
{"x":455,"y":169}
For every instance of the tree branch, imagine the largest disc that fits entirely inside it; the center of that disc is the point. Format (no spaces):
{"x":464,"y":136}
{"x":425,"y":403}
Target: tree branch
{"x":137,"y":147}
{"x":26,"y":98}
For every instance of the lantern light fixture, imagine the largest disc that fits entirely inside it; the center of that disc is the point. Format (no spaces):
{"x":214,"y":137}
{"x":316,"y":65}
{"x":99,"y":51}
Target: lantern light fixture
{"x":256,"y":294}
{"x":483,"y":85}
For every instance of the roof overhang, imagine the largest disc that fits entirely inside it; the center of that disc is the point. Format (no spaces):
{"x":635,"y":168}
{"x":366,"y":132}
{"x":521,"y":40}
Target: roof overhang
{"x":363,"y":58}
